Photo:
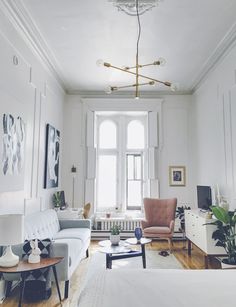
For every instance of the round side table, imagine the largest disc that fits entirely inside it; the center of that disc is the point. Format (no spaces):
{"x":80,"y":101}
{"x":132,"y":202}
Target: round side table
{"x":24,"y":266}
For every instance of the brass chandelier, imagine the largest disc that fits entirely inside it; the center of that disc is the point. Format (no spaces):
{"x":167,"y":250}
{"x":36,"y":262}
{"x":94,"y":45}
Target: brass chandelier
{"x":134,"y":70}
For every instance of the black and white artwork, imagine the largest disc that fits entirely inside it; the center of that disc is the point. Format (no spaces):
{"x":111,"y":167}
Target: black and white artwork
{"x":177,"y":176}
{"x":13,"y":143}
{"x":52,"y":157}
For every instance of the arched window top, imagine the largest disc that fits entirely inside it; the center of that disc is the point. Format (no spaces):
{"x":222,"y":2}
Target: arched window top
{"x":108,"y":135}
{"x":135,"y":135}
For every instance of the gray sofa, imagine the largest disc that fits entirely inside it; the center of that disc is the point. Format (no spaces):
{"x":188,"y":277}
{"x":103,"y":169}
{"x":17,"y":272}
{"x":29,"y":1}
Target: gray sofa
{"x":70,"y":239}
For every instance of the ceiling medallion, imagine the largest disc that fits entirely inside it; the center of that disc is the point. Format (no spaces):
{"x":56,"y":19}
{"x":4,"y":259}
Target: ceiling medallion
{"x":129,"y":6}
{"x":134,"y":70}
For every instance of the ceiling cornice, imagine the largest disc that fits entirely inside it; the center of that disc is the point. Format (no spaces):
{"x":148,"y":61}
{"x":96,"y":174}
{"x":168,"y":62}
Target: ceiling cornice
{"x":222,"y":49}
{"x":17,"y":14}
{"x":126,"y":94}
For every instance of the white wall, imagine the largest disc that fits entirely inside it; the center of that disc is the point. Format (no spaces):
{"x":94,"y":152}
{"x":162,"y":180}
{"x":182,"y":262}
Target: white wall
{"x":214,"y":129}
{"x":174,"y":150}
{"x":28,"y":90}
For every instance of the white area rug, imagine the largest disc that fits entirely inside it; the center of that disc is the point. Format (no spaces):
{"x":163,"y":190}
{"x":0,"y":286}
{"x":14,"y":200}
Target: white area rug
{"x":89,"y":267}
{"x":153,"y":261}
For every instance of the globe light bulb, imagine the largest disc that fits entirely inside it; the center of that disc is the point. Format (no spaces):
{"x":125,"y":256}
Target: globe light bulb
{"x":174,"y":87}
{"x":100,"y":63}
{"x":108,"y":90}
{"x":162,"y":61}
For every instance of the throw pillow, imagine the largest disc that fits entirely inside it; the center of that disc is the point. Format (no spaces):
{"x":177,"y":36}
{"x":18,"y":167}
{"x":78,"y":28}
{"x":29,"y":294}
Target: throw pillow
{"x":87,"y":208}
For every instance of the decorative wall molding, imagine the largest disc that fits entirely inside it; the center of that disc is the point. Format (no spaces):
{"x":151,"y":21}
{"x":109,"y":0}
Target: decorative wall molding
{"x":222,"y":49}
{"x":17,"y":14}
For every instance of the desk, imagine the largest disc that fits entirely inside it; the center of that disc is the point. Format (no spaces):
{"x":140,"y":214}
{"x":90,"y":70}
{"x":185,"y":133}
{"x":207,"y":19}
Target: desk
{"x":24,"y":266}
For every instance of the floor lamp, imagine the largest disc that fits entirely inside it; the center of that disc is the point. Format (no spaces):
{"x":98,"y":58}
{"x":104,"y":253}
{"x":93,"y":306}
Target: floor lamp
{"x":73,"y":171}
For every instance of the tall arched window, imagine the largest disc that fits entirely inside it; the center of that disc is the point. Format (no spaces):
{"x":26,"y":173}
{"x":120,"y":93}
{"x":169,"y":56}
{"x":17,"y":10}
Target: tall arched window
{"x":121,"y":152}
{"x":107,"y":135}
{"x":135,"y":135}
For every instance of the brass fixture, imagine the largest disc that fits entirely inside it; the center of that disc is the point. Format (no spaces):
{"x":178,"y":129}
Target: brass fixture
{"x":136,"y":73}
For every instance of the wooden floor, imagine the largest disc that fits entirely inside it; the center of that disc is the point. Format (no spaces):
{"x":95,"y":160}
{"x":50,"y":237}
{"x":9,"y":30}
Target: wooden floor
{"x":196,"y":261}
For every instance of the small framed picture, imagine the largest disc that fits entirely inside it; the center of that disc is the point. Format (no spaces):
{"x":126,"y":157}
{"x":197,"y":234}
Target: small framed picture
{"x":177,"y":176}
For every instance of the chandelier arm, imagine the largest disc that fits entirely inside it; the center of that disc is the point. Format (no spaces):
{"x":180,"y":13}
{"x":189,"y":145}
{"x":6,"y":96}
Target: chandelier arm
{"x":114,"y":88}
{"x":140,"y":66}
{"x":166,"y":83}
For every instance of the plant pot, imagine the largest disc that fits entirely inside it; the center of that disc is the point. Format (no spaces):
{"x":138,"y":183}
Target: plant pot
{"x":226,"y":265}
{"x":115,"y":239}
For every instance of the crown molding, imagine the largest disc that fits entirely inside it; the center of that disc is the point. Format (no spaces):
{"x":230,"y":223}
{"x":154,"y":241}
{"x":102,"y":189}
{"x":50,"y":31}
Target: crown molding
{"x":125,"y":94}
{"x":19,"y":17}
{"x":222,"y":49}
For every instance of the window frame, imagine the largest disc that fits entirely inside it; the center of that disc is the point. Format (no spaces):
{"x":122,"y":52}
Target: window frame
{"x":134,"y":154}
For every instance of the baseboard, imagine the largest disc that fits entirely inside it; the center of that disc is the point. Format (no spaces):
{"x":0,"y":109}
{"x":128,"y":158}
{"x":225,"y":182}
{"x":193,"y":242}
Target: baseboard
{"x":104,"y":234}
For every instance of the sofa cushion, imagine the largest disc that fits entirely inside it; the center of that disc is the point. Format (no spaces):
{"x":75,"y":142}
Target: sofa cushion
{"x":156,"y":230}
{"x":41,"y":225}
{"x":82,"y":234}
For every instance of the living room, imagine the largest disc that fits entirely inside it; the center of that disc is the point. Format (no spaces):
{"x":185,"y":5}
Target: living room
{"x":52,"y":87}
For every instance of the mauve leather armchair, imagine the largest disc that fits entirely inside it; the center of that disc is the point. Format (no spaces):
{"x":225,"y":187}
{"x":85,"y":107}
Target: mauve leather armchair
{"x":159,"y":218}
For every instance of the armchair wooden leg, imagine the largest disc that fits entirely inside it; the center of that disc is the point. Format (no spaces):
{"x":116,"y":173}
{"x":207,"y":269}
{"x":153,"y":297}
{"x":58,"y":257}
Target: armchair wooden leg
{"x":87,"y":253}
{"x":170,"y":244}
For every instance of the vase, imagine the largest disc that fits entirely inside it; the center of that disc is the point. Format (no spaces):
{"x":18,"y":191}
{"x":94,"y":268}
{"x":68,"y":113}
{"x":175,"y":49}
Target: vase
{"x":138,"y":233}
{"x":115,"y":239}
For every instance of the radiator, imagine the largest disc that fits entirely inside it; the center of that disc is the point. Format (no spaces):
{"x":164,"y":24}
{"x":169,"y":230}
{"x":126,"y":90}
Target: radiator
{"x":126,"y":225}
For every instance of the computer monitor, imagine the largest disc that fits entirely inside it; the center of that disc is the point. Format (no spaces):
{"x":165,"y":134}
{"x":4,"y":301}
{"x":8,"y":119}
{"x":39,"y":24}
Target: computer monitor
{"x":204,"y":199}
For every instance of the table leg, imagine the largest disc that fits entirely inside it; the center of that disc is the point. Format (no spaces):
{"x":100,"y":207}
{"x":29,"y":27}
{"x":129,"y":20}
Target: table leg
{"x":56,"y":280}
{"x":206,"y":261}
{"x":107,"y":261}
{"x":189,"y":247}
{"x":143,"y":255}
{"x":22,"y":287}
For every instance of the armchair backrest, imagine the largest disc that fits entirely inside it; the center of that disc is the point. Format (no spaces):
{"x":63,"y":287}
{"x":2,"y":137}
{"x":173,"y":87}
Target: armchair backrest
{"x":159,"y":212}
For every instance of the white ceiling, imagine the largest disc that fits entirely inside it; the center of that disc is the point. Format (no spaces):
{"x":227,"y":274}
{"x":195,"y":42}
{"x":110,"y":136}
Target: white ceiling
{"x":78,"y":32}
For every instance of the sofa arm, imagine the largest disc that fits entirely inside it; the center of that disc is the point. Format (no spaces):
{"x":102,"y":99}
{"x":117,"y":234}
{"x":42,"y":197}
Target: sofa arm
{"x":75,"y":224}
{"x":61,"y":249}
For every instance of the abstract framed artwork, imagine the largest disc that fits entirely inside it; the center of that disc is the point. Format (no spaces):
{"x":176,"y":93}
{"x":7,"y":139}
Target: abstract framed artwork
{"x":177,"y":176}
{"x":12,"y":134}
{"x":51,"y":172}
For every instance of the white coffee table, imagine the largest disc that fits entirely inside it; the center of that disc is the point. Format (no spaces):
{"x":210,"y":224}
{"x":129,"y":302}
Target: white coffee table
{"x":123,"y":250}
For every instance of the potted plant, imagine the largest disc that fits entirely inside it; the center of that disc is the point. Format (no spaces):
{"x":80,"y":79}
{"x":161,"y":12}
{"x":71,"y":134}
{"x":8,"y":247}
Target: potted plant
{"x":225,"y":234}
{"x":56,"y":199}
{"x":115,"y":234}
{"x":180,"y":215}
